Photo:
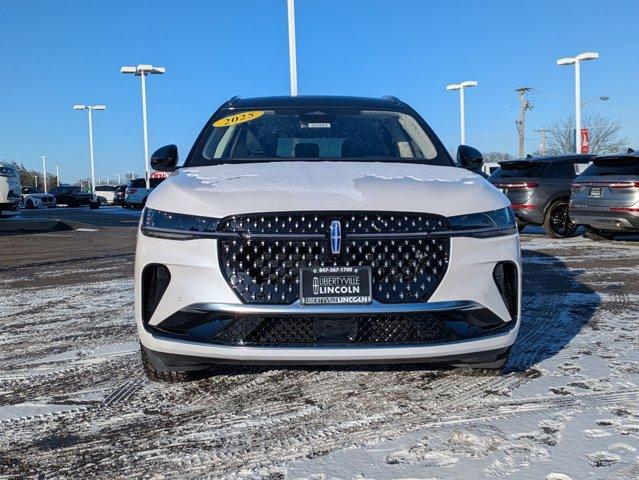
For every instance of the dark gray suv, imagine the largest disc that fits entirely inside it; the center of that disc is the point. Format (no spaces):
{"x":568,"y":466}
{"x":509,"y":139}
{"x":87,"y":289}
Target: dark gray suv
{"x":605,"y":198}
{"x":539,"y":190}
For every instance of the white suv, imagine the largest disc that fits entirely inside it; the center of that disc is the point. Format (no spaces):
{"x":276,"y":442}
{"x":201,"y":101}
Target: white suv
{"x":136,"y":193}
{"x":323,"y":230}
{"x":10,"y":190}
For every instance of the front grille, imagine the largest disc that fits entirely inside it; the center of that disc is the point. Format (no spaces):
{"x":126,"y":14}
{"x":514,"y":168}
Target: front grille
{"x":266,"y":270}
{"x":313,"y":223}
{"x":376,"y":329}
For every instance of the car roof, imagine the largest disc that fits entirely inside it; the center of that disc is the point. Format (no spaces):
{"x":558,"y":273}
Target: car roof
{"x":387,"y":102}
{"x":630,"y":154}
{"x":573,"y":157}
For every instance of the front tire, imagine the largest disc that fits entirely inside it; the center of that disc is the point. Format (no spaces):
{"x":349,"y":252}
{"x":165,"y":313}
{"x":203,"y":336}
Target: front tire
{"x":599,"y":235}
{"x":557,"y":223}
{"x":29,"y":205}
{"x":156,"y":375}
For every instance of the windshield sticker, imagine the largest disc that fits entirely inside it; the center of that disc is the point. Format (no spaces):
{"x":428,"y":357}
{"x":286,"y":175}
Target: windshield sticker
{"x":237,"y":118}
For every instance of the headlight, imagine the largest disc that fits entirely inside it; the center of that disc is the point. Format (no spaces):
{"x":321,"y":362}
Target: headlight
{"x":494,"y":220}
{"x":177,"y":226}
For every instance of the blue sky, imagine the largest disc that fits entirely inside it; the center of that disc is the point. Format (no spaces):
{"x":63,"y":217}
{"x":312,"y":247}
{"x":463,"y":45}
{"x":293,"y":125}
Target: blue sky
{"x":54,"y":54}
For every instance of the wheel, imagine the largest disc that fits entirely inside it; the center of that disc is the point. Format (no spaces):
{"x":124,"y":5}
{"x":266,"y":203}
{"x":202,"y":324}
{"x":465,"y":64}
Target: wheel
{"x":29,"y":204}
{"x":163,"y":376}
{"x":557,"y":223}
{"x":599,"y":235}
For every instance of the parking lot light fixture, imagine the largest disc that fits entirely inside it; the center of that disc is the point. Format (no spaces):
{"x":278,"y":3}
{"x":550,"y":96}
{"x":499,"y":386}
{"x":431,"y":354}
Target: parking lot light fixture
{"x":89,"y":109}
{"x":577,"y":62}
{"x":461,"y":86}
{"x":602,"y":98}
{"x":142,"y":71}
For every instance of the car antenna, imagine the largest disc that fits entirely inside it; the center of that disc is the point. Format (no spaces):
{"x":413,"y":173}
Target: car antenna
{"x":234,"y":99}
{"x":392,"y":99}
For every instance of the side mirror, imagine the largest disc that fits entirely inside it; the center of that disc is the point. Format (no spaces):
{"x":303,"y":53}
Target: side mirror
{"x":165,"y":159}
{"x":469,"y":158}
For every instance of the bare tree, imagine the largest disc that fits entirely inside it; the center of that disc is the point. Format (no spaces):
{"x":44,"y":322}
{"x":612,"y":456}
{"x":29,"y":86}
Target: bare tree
{"x":496,"y":157}
{"x":604,"y":135}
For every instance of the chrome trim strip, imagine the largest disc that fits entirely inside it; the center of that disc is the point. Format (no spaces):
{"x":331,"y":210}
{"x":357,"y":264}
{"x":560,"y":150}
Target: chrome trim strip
{"x":297,"y":308}
{"x":471,"y":232}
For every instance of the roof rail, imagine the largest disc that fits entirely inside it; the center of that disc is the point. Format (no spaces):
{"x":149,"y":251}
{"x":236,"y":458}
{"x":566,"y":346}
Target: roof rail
{"x":234,"y":99}
{"x":392,"y":99}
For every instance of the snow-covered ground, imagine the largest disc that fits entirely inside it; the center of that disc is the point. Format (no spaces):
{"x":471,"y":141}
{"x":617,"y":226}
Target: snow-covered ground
{"x":74,"y":403}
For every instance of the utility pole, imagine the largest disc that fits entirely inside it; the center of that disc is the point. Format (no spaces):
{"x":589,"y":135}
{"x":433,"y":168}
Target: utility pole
{"x":542,"y":142}
{"x":521,"y":123}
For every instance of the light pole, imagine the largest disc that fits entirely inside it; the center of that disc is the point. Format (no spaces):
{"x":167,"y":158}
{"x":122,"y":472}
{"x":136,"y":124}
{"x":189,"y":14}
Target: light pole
{"x":119,"y":178}
{"x":292,"y":50}
{"x":142,"y":71}
{"x":44,"y":172}
{"x":90,"y":108}
{"x":57,"y":175}
{"x":461,"y":86}
{"x":577,"y":62}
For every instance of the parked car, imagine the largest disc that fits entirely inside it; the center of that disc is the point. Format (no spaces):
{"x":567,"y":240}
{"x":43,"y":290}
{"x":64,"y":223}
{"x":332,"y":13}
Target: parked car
{"x":10,"y":189}
{"x":539,"y":190}
{"x":33,"y":197}
{"x":118,"y":195}
{"x":71,"y":196}
{"x":605,"y":197}
{"x":488,"y":168}
{"x":136,"y":192}
{"x":105,"y":193}
{"x":323,"y":230}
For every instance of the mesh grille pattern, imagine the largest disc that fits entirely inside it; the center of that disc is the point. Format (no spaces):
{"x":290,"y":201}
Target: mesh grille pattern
{"x":385,"y":329}
{"x":404,"y":270}
{"x":360,"y":222}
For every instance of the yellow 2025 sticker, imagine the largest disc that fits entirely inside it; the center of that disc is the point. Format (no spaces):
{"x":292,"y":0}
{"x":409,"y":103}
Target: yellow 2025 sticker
{"x":237,"y":118}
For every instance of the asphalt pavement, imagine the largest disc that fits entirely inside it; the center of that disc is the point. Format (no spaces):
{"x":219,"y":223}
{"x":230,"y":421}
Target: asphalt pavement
{"x":75,"y":404}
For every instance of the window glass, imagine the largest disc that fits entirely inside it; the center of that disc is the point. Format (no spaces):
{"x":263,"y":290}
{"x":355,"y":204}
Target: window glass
{"x":557,"y":170}
{"x":613,"y":166}
{"x":520,"y":169}
{"x":322,"y":133}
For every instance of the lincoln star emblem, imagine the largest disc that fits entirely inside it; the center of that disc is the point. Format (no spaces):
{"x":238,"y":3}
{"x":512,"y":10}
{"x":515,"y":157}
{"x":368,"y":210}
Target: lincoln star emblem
{"x":336,"y":237}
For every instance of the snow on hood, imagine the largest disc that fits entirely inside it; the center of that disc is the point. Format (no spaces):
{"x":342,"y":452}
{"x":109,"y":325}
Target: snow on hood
{"x":222,"y":190}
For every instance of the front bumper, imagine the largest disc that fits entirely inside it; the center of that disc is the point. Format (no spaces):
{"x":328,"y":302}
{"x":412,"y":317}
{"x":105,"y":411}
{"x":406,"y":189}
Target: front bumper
{"x":198,"y":284}
{"x":605,"y":219}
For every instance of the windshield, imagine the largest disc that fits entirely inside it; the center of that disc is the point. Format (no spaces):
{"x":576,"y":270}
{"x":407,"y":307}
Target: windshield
{"x":315,"y":133}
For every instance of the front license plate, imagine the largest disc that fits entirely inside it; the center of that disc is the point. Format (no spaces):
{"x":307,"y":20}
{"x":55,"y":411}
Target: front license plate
{"x":335,"y":285}
{"x":595,"y":192}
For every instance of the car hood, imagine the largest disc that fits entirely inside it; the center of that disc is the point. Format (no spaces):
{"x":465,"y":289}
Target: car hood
{"x":221,"y":190}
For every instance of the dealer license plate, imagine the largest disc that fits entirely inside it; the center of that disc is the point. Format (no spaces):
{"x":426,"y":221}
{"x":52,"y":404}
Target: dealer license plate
{"x":335,"y":285}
